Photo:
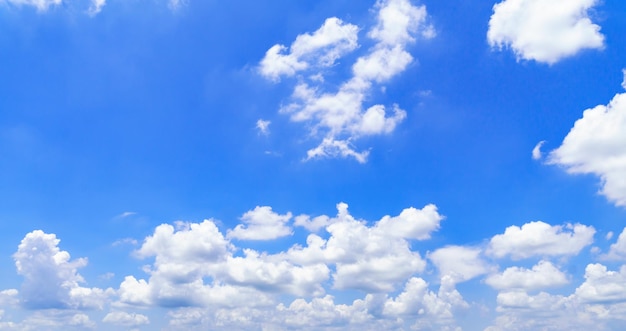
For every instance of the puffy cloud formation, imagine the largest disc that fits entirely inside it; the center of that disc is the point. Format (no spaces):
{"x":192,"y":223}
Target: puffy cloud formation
{"x":415,"y":307}
{"x":602,"y":285}
{"x":617,"y":250}
{"x":262,"y":224}
{"x":204,"y":281}
{"x":51,"y":279}
{"x":322,"y":48}
{"x":341,"y":116}
{"x":372,"y":258}
{"x":599,"y":303}
{"x":459,"y":263}
{"x":544,"y":31}
{"x":541,"y":239}
{"x":541,"y":276}
{"x":595,"y":145}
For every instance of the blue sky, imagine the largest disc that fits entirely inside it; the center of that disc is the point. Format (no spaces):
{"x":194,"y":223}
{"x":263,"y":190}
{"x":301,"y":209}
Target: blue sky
{"x":257,"y":165}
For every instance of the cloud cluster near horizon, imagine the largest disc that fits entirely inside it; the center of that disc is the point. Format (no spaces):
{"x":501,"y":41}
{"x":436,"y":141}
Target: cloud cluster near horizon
{"x":205,"y":278}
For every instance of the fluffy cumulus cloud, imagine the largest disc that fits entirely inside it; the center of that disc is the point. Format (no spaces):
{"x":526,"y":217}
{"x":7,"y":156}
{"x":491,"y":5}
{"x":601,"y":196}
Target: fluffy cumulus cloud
{"x":363,"y":255}
{"x":340,"y":117}
{"x":599,"y":303}
{"x":602,"y":285}
{"x":541,"y":239}
{"x":262,"y":224}
{"x":459,"y":263}
{"x":416,"y":307}
{"x":541,"y":276}
{"x":617,"y":250}
{"x":196,"y":265}
{"x":544,"y":31}
{"x":51,"y":279}
{"x":349,"y":274}
{"x":595,"y":145}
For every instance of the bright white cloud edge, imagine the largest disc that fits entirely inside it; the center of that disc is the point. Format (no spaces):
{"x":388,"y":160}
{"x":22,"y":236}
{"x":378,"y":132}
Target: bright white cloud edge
{"x":596,"y":145}
{"x":544,"y":31}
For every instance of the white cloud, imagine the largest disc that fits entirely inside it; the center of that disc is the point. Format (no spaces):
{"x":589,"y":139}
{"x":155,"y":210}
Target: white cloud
{"x":596,"y":304}
{"x":399,"y":21}
{"x":51,"y":280}
{"x":370,"y":258}
{"x":544,"y":31}
{"x":537,"y":150}
{"x":521,"y":311}
{"x":624,"y":80}
{"x":274,"y":274}
{"x":541,"y":276}
{"x":341,"y":116}
{"x":618,"y":249}
{"x":261,"y":224}
{"x":188,"y":243}
{"x":541,"y":239}
{"x":312,"y":224}
{"x":263,"y":126}
{"x":459,"y":263}
{"x":126,"y":319}
{"x":416,"y":306}
{"x":189,"y":259}
{"x":322,"y":48}
{"x":602,"y":285}
{"x":417,"y":299}
{"x":595,"y":145}
{"x":203,"y":281}
{"x":183,"y":257}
